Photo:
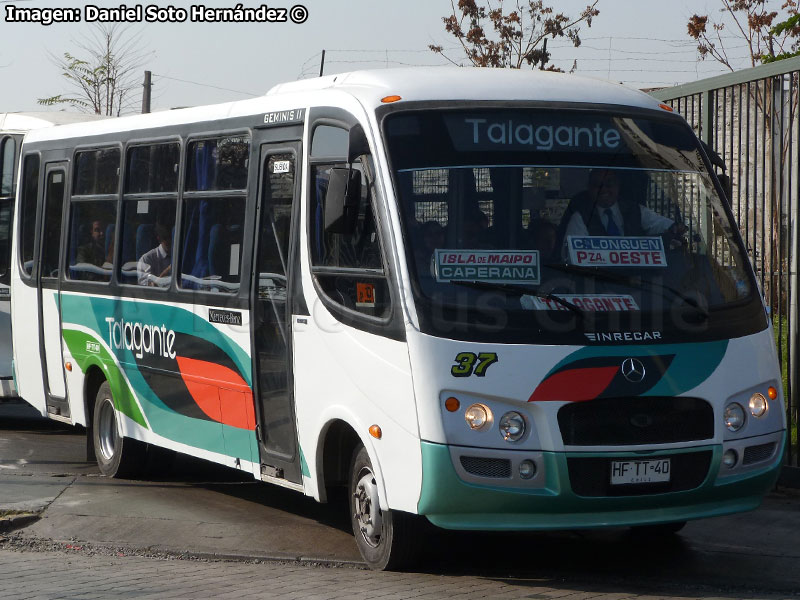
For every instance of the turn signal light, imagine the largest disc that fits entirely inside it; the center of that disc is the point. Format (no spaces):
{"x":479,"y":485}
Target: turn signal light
{"x":666,"y":107}
{"x":375,"y":431}
{"x":772,"y":393}
{"x":452,"y":404}
{"x":388,"y":99}
{"x":68,"y":366}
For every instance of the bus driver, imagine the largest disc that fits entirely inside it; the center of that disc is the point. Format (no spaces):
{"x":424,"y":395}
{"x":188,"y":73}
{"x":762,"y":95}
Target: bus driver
{"x":599,"y":212}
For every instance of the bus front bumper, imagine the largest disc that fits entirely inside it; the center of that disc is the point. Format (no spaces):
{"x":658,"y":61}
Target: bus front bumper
{"x":550,"y":500}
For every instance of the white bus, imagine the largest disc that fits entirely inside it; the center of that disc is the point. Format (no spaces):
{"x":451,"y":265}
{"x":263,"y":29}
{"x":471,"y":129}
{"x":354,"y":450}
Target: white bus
{"x":495,"y":300}
{"x":13,"y":127}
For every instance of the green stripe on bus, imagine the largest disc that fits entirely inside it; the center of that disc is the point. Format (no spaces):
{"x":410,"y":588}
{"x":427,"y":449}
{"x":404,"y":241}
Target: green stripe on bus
{"x":79,"y":344}
{"x":304,"y":465}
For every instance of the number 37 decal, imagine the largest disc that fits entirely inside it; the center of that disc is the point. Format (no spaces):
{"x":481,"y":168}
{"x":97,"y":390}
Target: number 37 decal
{"x":468,"y":363}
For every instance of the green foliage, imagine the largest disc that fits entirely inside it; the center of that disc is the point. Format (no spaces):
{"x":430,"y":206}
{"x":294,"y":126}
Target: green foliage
{"x":88,"y":78}
{"x":102,"y":78}
{"x":766,"y":58}
{"x":787,"y":26}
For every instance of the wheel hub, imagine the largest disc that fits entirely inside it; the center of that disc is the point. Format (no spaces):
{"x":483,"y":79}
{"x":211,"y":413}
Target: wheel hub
{"x":107,"y":430}
{"x":368,"y":509}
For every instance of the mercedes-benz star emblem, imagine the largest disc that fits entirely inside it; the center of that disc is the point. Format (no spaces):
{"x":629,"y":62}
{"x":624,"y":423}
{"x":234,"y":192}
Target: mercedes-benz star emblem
{"x":633,"y":370}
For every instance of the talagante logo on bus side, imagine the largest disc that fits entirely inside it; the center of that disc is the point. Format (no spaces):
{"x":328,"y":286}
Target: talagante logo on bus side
{"x":141,"y":339}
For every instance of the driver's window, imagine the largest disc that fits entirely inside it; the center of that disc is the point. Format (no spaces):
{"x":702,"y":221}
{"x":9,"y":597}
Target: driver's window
{"x":348,"y":266}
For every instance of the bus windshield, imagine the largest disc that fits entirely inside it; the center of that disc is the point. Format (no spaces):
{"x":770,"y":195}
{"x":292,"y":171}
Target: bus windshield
{"x":561,"y":226}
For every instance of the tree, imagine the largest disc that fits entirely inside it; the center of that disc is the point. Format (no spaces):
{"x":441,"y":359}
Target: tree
{"x":103,"y":74}
{"x":770,"y":35}
{"x":491,"y":36}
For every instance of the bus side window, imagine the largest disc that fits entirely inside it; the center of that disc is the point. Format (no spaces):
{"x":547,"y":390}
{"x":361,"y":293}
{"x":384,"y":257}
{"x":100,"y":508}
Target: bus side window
{"x":96,"y":172}
{"x":90,"y":254}
{"x":348,"y":266}
{"x":212,"y":233}
{"x":27,"y":222}
{"x":211,"y":243}
{"x":148,"y":217}
{"x":7,"y":154}
{"x":359,"y":249}
{"x":53,"y":214}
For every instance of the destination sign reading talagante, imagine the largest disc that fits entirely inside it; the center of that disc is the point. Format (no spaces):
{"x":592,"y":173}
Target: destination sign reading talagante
{"x":532,"y":131}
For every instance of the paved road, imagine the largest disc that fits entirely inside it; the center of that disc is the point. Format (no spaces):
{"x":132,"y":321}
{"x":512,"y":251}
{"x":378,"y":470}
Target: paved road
{"x":72,"y":574}
{"x":100,"y":534}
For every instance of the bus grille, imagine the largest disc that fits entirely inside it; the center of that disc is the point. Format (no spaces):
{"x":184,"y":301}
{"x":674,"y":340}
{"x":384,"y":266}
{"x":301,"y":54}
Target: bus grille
{"x":754,"y":454}
{"x":487,"y":467}
{"x":591,"y":476}
{"x":638,"y":420}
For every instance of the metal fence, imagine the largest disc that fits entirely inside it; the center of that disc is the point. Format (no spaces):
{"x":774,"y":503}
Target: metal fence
{"x":750,"y":118}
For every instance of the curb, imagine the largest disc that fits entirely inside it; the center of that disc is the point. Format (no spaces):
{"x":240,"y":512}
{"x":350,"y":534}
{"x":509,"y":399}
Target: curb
{"x":14,"y":522}
{"x":111,"y":548}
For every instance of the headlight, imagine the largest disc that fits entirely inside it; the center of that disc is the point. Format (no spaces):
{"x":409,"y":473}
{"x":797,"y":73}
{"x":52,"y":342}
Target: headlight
{"x":512,"y":426}
{"x":729,"y":459}
{"x":734,"y":416}
{"x":478,"y":416}
{"x":758,"y":405}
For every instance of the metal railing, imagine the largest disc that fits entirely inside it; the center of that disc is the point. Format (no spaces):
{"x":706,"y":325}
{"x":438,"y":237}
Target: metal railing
{"x":750,"y":118}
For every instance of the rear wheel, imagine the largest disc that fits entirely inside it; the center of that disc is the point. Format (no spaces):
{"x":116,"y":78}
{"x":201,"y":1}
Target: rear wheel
{"x":385,"y":539}
{"x":117,"y":456}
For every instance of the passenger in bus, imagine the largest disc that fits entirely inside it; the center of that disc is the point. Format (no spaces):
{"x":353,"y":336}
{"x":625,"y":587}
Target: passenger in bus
{"x":94,"y":251}
{"x":600,"y":211}
{"x":155,"y":266}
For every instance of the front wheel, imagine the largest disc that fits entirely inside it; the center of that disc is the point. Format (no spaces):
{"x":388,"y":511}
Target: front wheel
{"x":117,"y":456}
{"x":385,"y":539}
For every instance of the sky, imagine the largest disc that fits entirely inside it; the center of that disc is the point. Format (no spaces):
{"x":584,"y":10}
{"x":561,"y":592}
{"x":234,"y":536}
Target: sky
{"x":642,"y":43}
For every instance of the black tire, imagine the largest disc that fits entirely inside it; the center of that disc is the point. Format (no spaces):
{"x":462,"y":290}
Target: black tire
{"x":392,"y":544}
{"x":660,"y":530}
{"x":116,"y":456}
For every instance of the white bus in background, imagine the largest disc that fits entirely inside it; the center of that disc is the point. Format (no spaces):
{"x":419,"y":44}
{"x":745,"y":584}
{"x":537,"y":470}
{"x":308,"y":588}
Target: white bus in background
{"x":492,"y":299}
{"x":13,"y":127}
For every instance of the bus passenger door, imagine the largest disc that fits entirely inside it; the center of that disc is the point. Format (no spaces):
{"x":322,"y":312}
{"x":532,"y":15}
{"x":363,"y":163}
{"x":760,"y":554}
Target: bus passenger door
{"x":272,"y":345}
{"x":48,"y":288}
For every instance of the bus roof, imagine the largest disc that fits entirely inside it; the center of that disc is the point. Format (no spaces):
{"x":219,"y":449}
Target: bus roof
{"x":19,"y":122}
{"x":368,"y":87}
{"x":470,"y":83}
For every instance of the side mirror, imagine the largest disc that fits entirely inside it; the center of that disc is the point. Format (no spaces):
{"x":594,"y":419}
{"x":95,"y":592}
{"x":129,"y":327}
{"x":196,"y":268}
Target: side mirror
{"x":357,"y":143}
{"x":341,"y":201}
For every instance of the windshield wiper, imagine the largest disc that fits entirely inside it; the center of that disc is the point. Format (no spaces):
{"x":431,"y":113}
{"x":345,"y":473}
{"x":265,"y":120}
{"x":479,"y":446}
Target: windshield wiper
{"x":521,"y":291}
{"x":629,"y":281}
